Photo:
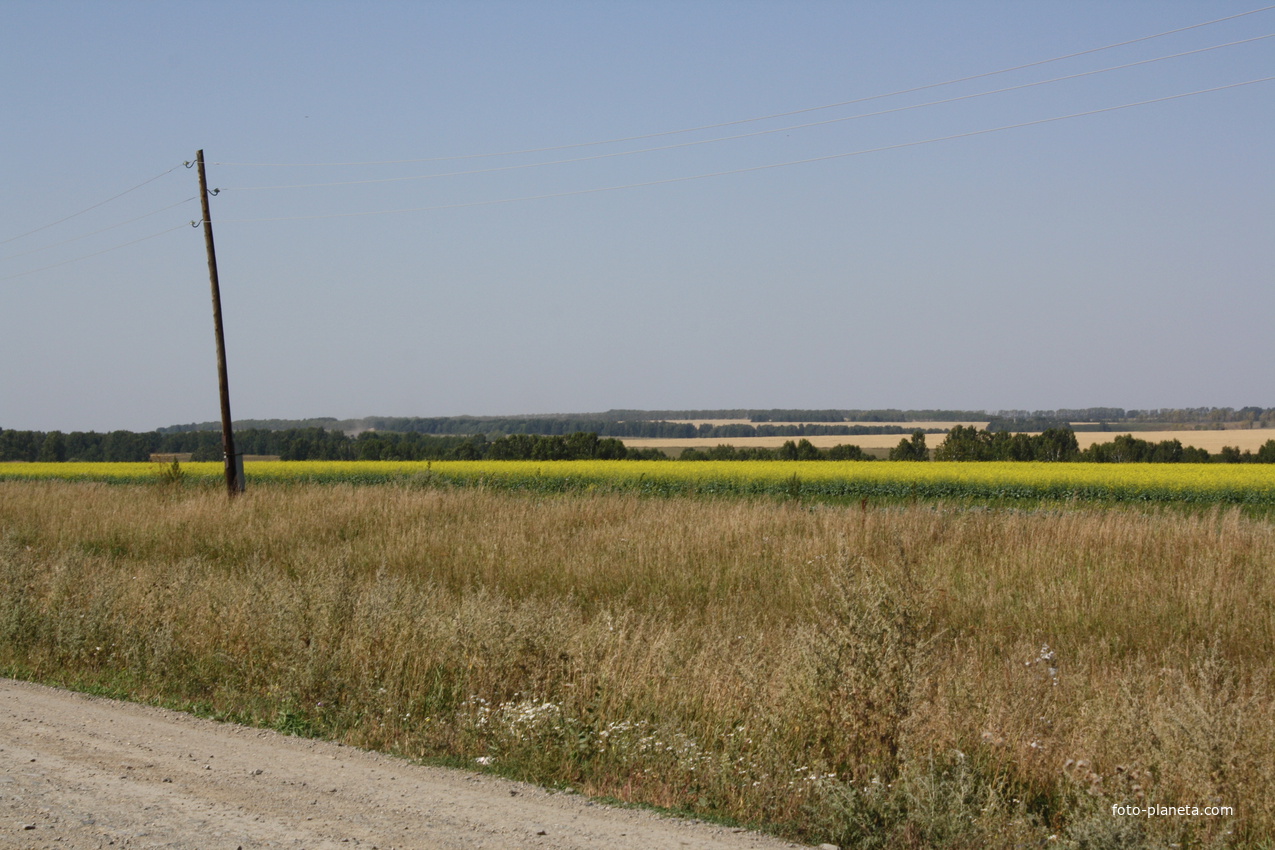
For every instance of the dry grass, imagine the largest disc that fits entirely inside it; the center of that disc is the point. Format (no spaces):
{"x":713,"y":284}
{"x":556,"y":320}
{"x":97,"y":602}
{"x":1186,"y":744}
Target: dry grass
{"x":869,"y":677}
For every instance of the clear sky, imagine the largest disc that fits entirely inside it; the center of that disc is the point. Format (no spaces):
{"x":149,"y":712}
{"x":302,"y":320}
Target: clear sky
{"x":846,"y":260}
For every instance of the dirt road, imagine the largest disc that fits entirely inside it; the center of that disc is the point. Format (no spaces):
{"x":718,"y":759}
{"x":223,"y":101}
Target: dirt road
{"x":83,"y":772}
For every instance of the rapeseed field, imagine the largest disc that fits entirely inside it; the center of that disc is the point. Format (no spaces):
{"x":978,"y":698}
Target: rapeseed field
{"x":1247,"y":484}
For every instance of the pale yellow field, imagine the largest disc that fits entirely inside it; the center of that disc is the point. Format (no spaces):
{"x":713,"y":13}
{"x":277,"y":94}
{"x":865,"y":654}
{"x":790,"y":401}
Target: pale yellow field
{"x":1213,"y":441}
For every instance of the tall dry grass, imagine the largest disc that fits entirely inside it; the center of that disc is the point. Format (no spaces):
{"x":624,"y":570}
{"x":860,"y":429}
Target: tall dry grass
{"x":897,"y":677}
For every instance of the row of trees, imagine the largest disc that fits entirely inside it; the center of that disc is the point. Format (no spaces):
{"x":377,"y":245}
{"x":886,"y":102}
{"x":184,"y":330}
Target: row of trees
{"x":967,"y":443}
{"x":613,"y":423}
{"x":1157,"y":415}
{"x":582,"y":445}
{"x":674,"y":423}
{"x":629,"y":429}
{"x":56,"y":446}
{"x":1260,"y":415}
{"x":961,"y":443}
{"x":306,"y":444}
{"x":1129,"y":449}
{"x":800,"y":450}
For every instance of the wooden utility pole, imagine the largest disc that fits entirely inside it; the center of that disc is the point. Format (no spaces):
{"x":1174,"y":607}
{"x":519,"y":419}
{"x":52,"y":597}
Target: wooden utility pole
{"x":233,"y":482}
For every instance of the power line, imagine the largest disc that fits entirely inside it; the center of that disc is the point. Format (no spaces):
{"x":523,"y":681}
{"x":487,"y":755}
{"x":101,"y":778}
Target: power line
{"x":753,"y":134}
{"x":764,"y":167}
{"x":88,"y":209}
{"x":94,"y":254}
{"x":641,"y":137}
{"x":96,"y":232}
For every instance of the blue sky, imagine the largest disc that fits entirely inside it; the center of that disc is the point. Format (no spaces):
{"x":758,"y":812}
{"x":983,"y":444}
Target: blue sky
{"x":1123,"y":258}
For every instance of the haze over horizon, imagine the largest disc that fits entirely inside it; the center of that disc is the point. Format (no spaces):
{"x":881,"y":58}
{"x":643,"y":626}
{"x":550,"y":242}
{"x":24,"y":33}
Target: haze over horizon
{"x":553,"y":207}
{"x":1093,"y":415}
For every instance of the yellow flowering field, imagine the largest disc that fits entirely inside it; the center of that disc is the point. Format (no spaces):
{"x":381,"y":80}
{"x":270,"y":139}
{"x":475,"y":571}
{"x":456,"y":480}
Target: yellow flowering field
{"x":1187,"y":483}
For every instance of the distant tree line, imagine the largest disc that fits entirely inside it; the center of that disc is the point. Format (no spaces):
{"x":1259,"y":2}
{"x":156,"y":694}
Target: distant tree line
{"x":967,"y":443}
{"x":1104,"y":418}
{"x":307,"y":444}
{"x":629,"y":429}
{"x":800,"y":450}
{"x":600,"y":423}
{"x":961,"y":443}
{"x":323,"y":444}
{"x":557,"y":426}
{"x":55,"y":446}
{"x":796,"y":423}
{"x":123,"y":446}
{"x":1129,"y":449}
{"x":650,"y":424}
{"x":376,"y":445}
{"x":796,"y":416}
{"x":1030,"y":423}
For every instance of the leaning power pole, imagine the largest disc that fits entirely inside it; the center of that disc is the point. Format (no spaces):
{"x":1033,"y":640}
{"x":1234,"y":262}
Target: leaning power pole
{"x":233,"y":483}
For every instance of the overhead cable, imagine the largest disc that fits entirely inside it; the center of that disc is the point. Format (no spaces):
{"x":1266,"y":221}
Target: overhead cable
{"x":94,"y":254}
{"x":96,"y":232}
{"x":88,"y":209}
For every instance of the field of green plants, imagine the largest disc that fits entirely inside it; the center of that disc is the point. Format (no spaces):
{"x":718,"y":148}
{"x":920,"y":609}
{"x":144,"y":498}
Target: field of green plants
{"x":1202,"y":484}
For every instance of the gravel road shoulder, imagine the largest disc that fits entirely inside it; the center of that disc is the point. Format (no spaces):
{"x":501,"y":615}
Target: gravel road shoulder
{"x":84,"y":772}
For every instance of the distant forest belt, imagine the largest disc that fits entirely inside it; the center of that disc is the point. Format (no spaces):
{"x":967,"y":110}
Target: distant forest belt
{"x":909,"y":426}
{"x":1212,"y":441}
{"x":865,"y":441}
